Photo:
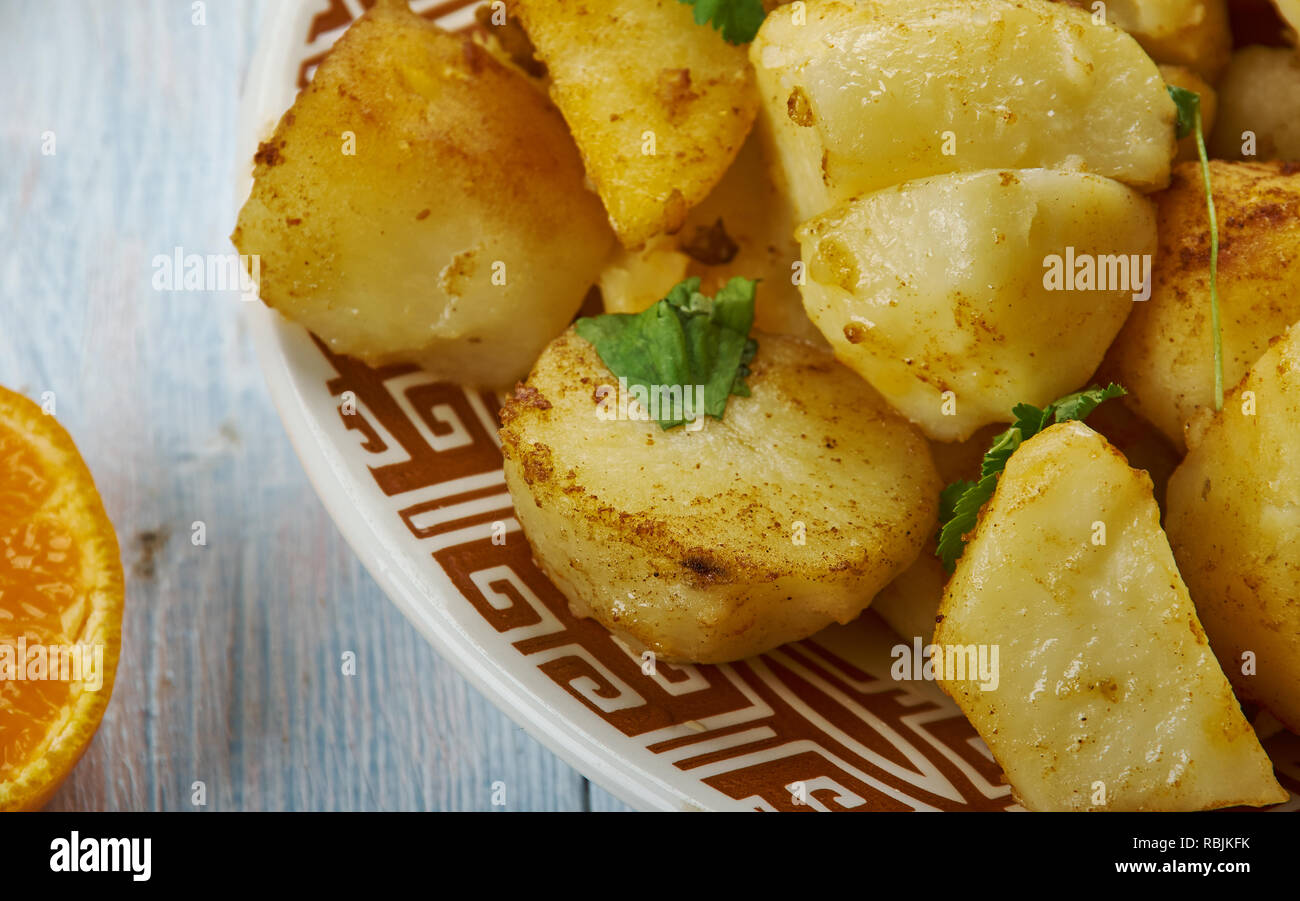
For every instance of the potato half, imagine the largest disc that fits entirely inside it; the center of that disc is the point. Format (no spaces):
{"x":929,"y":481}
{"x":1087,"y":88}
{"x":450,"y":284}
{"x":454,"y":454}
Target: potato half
{"x":1165,"y":353}
{"x":659,"y":105}
{"x":938,"y":286}
{"x":858,"y":96}
{"x":422,"y":202}
{"x":1260,"y":99}
{"x":1191,"y":33}
{"x":763,"y":527}
{"x":1107,"y":694}
{"x":1234,"y":523}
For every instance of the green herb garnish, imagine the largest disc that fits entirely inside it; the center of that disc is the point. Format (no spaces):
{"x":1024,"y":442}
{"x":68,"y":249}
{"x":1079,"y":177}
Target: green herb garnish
{"x":738,"y":20}
{"x":1189,"y":121}
{"x":682,"y":341}
{"x":960,"y":502}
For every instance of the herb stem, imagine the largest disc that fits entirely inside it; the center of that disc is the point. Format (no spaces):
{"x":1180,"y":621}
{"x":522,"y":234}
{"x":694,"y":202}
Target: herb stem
{"x":1214,"y":265}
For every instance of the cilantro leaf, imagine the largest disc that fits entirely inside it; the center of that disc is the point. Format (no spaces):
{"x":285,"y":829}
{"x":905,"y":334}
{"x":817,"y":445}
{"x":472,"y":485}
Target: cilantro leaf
{"x":1188,"y":104}
{"x":738,"y":20}
{"x":965,"y":515}
{"x":1081,"y":403}
{"x":960,"y":502}
{"x":684,"y":341}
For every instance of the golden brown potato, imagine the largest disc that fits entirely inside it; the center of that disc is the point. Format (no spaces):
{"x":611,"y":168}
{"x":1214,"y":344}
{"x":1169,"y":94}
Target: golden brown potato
{"x":864,"y":95}
{"x":1105,"y":694}
{"x":763,"y":527}
{"x":1234,"y":523}
{"x":939,"y":292}
{"x":659,"y":106}
{"x":1191,"y":33}
{"x":745,"y":229}
{"x":1261,"y":106}
{"x":1164,"y":354}
{"x":1186,"y":78}
{"x":422,"y":202}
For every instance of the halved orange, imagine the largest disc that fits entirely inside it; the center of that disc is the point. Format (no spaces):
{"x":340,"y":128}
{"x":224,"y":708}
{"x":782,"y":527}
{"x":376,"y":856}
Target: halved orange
{"x":61,"y":597}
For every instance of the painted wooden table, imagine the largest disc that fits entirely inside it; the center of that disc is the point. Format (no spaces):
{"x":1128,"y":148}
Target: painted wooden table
{"x":118,"y":135}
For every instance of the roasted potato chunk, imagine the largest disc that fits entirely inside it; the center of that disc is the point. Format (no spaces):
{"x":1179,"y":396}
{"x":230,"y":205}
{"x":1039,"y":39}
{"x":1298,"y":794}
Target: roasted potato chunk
{"x":744,"y":229}
{"x":422,"y":202}
{"x":1106,"y":694}
{"x":1190,"y":33}
{"x":868,"y":94}
{"x":957,"y":323}
{"x":1234,"y":524}
{"x":659,"y":105}
{"x":1260,"y":96}
{"x":1165,"y":353}
{"x":785,"y":516}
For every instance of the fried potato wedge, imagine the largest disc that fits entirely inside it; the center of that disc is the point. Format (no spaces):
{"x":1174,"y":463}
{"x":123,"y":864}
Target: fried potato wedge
{"x":1165,"y":353}
{"x":785,"y":516}
{"x":1107,"y":694}
{"x":1189,"y":33}
{"x":421,"y":202}
{"x":659,"y":106}
{"x":858,"y":96}
{"x":1260,"y":99}
{"x":936,"y":291}
{"x":1234,"y":524}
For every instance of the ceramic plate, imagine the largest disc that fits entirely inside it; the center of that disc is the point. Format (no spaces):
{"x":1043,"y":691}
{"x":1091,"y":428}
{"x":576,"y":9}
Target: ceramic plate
{"x":410,"y":470}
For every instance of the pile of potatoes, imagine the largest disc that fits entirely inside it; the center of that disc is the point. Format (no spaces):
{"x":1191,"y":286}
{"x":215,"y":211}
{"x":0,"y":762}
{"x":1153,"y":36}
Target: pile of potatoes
{"x":902,"y":177}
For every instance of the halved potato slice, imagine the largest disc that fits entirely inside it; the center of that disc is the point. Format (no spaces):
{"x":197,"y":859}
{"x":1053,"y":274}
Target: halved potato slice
{"x":1191,"y":33}
{"x":423,"y":202}
{"x":1234,"y":523}
{"x":785,"y":516}
{"x":1107,"y":693}
{"x":937,"y":291}
{"x":1165,"y":353}
{"x":858,"y":96}
{"x":659,"y":106}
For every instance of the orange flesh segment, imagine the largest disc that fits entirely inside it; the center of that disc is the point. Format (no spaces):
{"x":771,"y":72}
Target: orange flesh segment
{"x":39,"y":600}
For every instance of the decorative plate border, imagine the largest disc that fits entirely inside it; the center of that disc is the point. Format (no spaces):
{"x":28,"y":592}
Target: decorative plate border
{"x":413,"y":480}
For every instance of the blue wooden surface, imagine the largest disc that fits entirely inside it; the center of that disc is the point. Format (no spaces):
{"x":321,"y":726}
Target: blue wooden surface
{"x":230,"y":671}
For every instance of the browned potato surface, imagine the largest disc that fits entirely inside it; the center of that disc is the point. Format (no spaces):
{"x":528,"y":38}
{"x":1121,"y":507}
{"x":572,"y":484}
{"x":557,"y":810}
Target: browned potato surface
{"x":422,"y":202}
{"x":785,"y":516}
{"x":659,"y":105}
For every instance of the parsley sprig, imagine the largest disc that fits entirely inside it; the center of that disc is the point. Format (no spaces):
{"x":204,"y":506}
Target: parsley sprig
{"x":738,"y":20}
{"x":686,"y":339}
{"x":1189,"y":121}
{"x":960,"y":502}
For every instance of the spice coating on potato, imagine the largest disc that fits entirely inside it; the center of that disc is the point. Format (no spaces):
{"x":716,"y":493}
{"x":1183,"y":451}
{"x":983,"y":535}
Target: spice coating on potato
{"x":1108,"y":695}
{"x":1164,"y":354}
{"x":763,"y":527}
{"x":863,"y":95}
{"x":422,"y":202}
{"x":659,"y":106}
{"x":1234,"y":524}
{"x":936,"y":291}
